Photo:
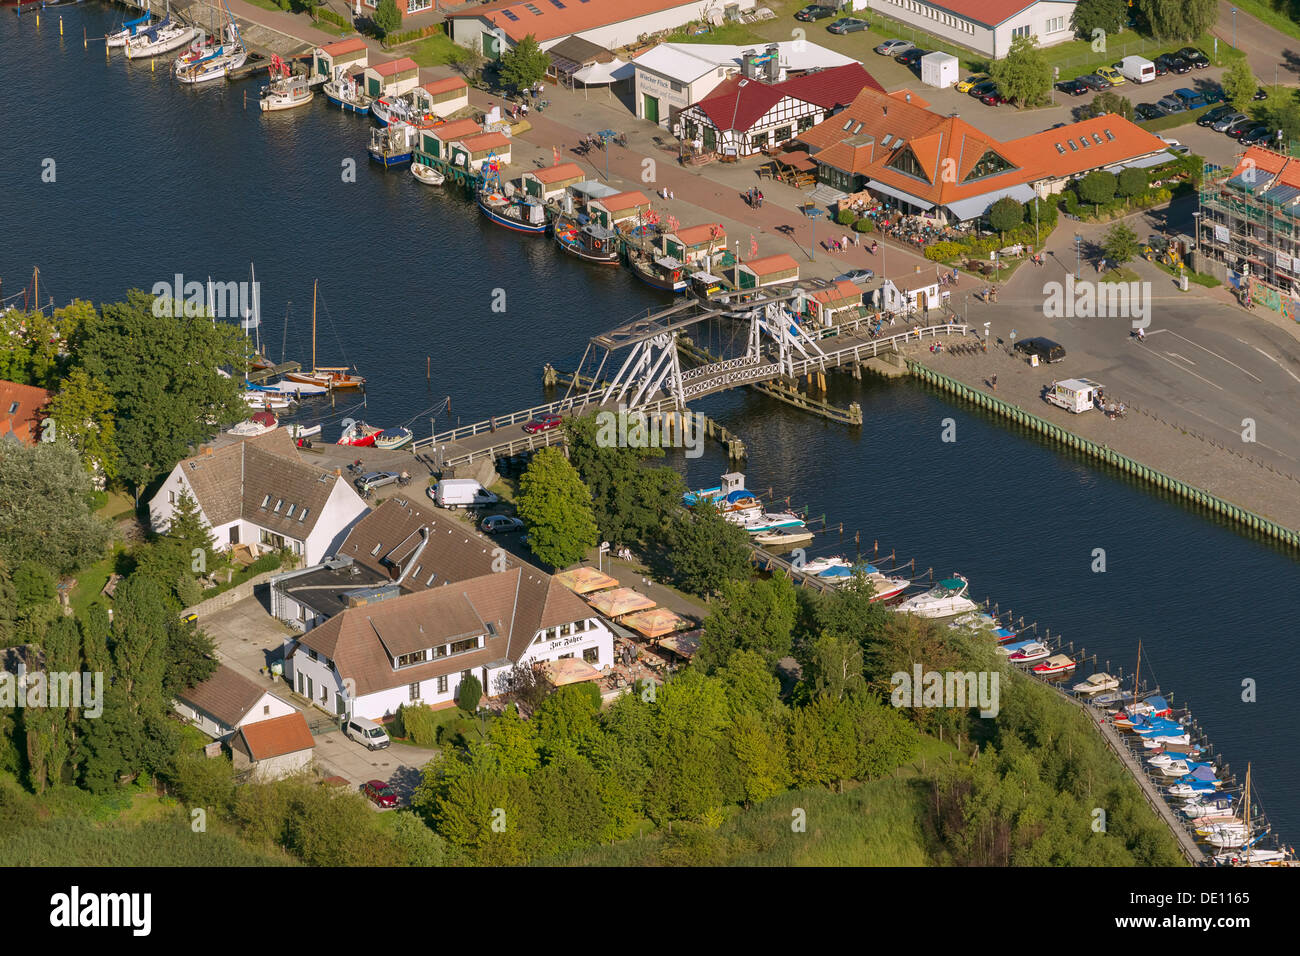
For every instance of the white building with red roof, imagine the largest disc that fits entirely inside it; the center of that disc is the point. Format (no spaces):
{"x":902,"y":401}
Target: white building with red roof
{"x":987,"y":26}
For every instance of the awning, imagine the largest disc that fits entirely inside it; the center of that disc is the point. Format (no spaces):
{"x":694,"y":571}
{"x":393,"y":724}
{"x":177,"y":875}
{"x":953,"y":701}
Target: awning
{"x":1144,"y":162}
{"x":585,"y":580}
{"x":899,"y":194}
{"x":975,"y":206}
{"x":569,"y":670}
{"x":602,"y":73}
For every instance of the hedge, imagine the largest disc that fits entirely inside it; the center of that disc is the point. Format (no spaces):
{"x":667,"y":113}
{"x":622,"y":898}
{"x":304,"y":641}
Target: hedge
{"x":406,"y":36}
{"x":865,"y":224}
{"x":329,"y":16}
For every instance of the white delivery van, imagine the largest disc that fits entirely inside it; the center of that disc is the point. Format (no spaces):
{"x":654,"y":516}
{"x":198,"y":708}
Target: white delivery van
{"x":456,"y":493}
{"x":1136,"y":69}
{"x":366,"y":732}
{"x":1074,"y":394}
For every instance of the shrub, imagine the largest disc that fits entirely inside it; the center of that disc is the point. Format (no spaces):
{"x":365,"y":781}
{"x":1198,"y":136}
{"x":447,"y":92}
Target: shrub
{"x":845,"y":217}
{"x":329,"y":16}
{"x":267,"y":562}
{"x":865,"y":224}
{"x":469,"y":694}
{"x":420,"y":725}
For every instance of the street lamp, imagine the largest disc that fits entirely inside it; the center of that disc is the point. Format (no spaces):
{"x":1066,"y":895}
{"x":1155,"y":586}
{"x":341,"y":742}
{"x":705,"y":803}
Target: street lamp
{"x":1078,"y":246}
{"x":1196,"y":218}
{"x":1234,"y":28}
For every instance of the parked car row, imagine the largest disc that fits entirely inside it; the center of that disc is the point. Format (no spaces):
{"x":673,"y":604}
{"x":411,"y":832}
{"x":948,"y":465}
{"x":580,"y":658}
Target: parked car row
{"x":1179,"y":101}
{"x":1184,"y":61}
{"x":1240,"y":126}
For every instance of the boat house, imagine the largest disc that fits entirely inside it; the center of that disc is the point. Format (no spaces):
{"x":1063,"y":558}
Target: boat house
{"x":695,"y":245}
{"x":471,"y":152}
{"x":551,"y":183}
{"x":441,"y":98}
{"x":769,"y":270}
{"x":392,"y":77}
{"x":436,"y":139}
{"x":347,"y":55}
{"x":610,"y":211}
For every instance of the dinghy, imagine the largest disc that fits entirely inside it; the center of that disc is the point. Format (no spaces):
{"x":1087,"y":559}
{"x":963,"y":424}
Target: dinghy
{"x":427,"y":174}
{"x":393,"y":438}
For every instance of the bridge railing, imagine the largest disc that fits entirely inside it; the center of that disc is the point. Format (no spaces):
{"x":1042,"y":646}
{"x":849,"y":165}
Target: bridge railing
{"x":512,"y":418}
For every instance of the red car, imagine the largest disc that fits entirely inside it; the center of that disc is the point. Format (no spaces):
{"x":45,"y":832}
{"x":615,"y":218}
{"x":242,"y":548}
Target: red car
{"x":994,"y":98}
{"x":380,"y":793}
{"x":543,"y":423}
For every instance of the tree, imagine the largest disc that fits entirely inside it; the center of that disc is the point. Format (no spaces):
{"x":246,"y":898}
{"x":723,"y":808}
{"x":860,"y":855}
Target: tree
{"x":1097,"y":187}
{"x":45,"y":513}
{"x":567,"y":723}
{"x":33,"y":586}
{"x":1239,"y":84}
{"x":387,"y":18}
{"x":1006,"y":214}
{"x":752,"y":614}
{"x":691,"y":768}
{"x":525,"y":684}
{"x":31,"y":353}
{"x":556,"y":506}
{"x":1108,"y":16}
{"x":1120,"y":243}
{"x":834,"y":667}
{"x":83,"y":416}
{"x":1283,"y":112}
{"x":1131,"y":182}
{"x":469,"y":694}
{"x":1179,"y":19}
{"x":706,"y":551}
{"x":1024,"y":75}
{"x":525,"y":65}
{"x":1108,"y":101}
{"x":164,"y":373}
{"x":760,"y":753}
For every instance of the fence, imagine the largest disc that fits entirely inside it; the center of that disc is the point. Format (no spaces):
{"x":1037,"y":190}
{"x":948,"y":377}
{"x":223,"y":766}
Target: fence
{"x":225,"y":599}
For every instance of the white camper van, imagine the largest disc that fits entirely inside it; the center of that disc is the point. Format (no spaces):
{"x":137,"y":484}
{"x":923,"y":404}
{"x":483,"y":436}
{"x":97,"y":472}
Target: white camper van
{"x":1136,"y":69}
{"x":1075,"y":395}
{"x":456,"y":493}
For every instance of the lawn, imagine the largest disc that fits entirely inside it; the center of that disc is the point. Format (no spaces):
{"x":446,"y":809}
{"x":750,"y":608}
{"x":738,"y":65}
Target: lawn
{"x":434,"y":50}
{"x":90,"y":582}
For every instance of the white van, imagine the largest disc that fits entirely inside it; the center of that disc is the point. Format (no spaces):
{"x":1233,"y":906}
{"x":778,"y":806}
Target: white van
{"x":1136,"y":69}
{"x":366,"y":732}
{"x":1075,"y":395}
{"x":456,"y":493}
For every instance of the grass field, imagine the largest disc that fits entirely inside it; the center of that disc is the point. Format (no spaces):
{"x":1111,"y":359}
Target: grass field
{"x":435,"y":50}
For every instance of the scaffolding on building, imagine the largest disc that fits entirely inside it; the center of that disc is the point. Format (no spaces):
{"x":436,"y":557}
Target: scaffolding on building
{"x":1250,"y":221}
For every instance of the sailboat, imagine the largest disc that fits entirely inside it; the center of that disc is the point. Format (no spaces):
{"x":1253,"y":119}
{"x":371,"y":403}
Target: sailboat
{"x":129,"y":29}
{"x":217,"y":62}
{"x":328,"y":376}
{"x":157,"y":40}
{"x":1249,"y":853}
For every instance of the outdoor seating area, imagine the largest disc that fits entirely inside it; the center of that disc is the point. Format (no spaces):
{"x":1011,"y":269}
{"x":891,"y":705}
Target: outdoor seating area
{"x":794,"y":168}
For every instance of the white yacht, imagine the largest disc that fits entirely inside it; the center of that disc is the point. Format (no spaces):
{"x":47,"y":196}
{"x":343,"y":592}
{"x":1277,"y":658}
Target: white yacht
{"x":945,"y":599}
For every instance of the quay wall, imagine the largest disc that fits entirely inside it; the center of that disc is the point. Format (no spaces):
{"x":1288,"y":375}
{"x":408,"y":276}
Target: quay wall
{"x":1101,"y":452}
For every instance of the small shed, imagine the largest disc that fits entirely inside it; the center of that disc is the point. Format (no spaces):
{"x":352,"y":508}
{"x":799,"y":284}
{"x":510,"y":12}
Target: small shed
{"x":473,"y":151}
{"x":939,"y":69}
{"x":436,"y":140}
{"x":916,"y":291}
{"x":609,"y":211}
{"x":271,"y":749}
{"x":838,"y":303}
{"x":549,"y":184}
{"x":347,"y":55}
{"x":696,"y":244}
{"x":769,"y":270}
{"x":441,"y":98}
{"x":392,"y":77}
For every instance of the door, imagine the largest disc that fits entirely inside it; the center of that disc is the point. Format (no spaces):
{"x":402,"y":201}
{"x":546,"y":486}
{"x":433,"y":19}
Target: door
{"x":310,"y":689}
{"x":650,"y":107}
{"x":234,"y":534}
{"x":372,"y":82}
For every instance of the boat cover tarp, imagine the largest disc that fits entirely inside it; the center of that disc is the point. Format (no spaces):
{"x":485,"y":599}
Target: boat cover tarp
{"x":586,"y":580}
{"x":1203,"y":773}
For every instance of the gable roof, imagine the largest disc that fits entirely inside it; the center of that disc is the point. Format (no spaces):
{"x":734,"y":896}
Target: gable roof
{"x":261,"y":479}
{"x":701,"y":234}
{"x":988,"y":13}
{"x":737,"y":103}
{"x":393,"y":67}
{"x":447,"y":132}
{"x":1110,"y":139}
{"x":19,"y":411}
{"x":549,"y":19}
{"x":769,"y":265}
{"x":624,"y":200}
{"x":278,"y":736}
{"x":446,"y":85}
{"x":350,"y":45}
{"x":557,"y":173}
{"x":225,"y":695}
{"x":481,"y":141}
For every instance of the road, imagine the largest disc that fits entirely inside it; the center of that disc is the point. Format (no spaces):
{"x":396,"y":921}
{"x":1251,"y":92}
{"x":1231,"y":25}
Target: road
{"x":1273,"y":56}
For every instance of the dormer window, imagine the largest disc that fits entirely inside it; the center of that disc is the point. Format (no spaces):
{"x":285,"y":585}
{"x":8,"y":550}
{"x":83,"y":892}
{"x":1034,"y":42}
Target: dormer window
{"x":266,"y":501}
{"x":278,"y":505}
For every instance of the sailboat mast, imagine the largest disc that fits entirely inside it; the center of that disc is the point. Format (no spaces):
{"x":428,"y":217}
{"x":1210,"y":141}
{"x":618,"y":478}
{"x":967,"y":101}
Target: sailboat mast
{"x":1137,"y":672}
{"x":313,"y":324}
{"x":36,"y":287}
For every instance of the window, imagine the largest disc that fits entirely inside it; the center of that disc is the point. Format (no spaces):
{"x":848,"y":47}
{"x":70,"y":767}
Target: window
{"x":442,"y":685}
{"x":676,"y":87}
{"x":532,"y":9}
{"x":13,"y":408}
{"x":591,"y":655}
{"x":278,"y":505}
{"x":414,"y":691}
{"x":783,"y":134}
{"x":459,"y":647}
{"x":510,"y":15}
{"x":579,"y":626}
{"x":906,"y":162}
{"x":1071,"y":144}
{"x":376,"y":549}
{"x":311,"y":654}
{"x":847,"y":125}
{"x":1110,"y":137}
{"x":302,"y":515}
{"x":171,"y":497}
{"x":990,"y":164}
{"x":1083,"y":141}
{"x":266,"y":501}
{"x":564,"y":630}
{"x":266,"y":710}
{"x":1020,"y":32}
{"x":416,"y":657}
{"x":1096,"y":138}
{"x":289,"y":513}
{"x":551,"y":634}
{"x":557,"y":4}
{"x":1060,"y":149}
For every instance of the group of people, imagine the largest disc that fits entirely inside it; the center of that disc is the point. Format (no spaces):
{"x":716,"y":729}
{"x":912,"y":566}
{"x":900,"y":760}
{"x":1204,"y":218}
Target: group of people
{"x":754,"y":197}
{"x":667,"y":193}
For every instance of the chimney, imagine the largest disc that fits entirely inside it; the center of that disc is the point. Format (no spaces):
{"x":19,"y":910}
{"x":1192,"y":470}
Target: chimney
{"x":338,"y":472}
{"x":747,"y":64}
{"x":886,"y":110}
{"x":909,"y":97}
{"x":207,"y":449}
{"x":773,"y":63}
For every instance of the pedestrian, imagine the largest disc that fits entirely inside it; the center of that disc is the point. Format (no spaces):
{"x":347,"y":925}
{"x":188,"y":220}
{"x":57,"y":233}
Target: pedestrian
{"x":857,"y":239}
{"x":845,"y":243}
{"x":760,"y":199}
{"x":994,"y":383}
{"x":671,"y":194}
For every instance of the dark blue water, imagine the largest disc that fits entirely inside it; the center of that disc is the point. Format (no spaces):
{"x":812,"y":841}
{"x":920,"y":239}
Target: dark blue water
{"x":155,"y":179}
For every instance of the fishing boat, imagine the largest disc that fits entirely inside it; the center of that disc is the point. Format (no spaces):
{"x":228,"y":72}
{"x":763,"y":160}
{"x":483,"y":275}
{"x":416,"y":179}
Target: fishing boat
{"x":157,"y":40}
{"x":664,"y":272}
{"x":427,"y":174}
{"x":1056,"y":664}
{"x":299,"y":432}
{"x":345,"y":92}
{"x":780,"y":540}
{"x":945,"y":599}
{"x":1033,"y":651}
{"x":1095,"y":684}
{"x":286,"y":89}
{"x":394,"y":144}
{"x":259,"y":424}
{"x":396,"y":109}
{"x":515,"y":211}
{"x":359,"y":434}
{"x":328,"y":377}
{"x":129,"y":29}
{"x":590,"y":242}
{"x":393,"y":438}
{"x":732,"y":486}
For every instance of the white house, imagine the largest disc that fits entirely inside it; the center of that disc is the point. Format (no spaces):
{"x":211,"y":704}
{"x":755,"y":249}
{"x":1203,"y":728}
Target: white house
{"x":500,"y":25}
{"x":227,"y":701}
{"x":259,"y":491}
{"x":427,"y":606}
{"x":914,"y":292}
{"x":986,"y":26}
{"x":274,"y":748}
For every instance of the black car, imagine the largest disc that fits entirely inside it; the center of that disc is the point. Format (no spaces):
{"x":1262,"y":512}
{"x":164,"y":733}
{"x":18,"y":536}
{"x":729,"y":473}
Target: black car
{"x":979,"y":89}
{"x":1045,"y":349}
{"x":1242,"y":127}
{"x":1162,"y":65}
{"x":815,"y":12}
{"x":1212,"y":94}
{"x":911,"y":57}
{"x":1094,"y":82}
{"x":1261,"y":136}
{"x":1252,"y":132}
{"x":848,"y":25}
{"x":994,"y":97}
{"x":1073,"y":87}
{"x":1178,"y":65}
{"x":1194,"y":56}
{"x":1148,"y":111}
{"x":1171,"y":104}
{"x":1260,"y":94}
{"x":1214,"y":115}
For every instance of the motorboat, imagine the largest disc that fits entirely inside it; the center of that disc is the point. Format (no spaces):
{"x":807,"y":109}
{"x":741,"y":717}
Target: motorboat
{"x":1095,"y":684}
{"x":883,"y":587}
{"x":756,"y":521}
{"x":267,"y":400}
{"x":1253,"y":856}
{"x":732,"y":488}
{"x":1033,"y":651}
{"x":945,"y":599}
{"x":1116,"y":698}
{"x":1006,"y":650}
{"x":215,"y":66}
{"x":359,"y":434}
{"x":1189,"y":789}
{"x":780,"y":540}
{"x":157,"y":40}
{"x":427,"y":174}
{"x":299,"y":432}
{"x":1165,"y":741}
{"x":394,"y":144}
{"x":286,"y":387}
{"x":1152,"y":706}
{"x":1056,"y":664}
{"x":818,"y":565}
{"x":259,"y":424}
{"x":981,"y":620}
{"x":1161,"y":760}
{"x":286,"y":90}
{"x":1176,"y":767}
{"x":393,"y":438}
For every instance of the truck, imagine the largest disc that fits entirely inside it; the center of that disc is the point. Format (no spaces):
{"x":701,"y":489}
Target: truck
{"x":1075,"y":395}
{"x":1136,"y":69}
{"x":453,"y":493}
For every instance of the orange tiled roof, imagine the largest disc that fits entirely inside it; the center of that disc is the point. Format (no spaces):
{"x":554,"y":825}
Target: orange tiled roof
{"x":393,"y":67}
{"x":555,"y":174}
{"x":350,"y":45}
{"x":482,"y":141}
{"x":277,"y":736}
{"x":447,"y":132}
{"x":620,"y":201}
{"x":768,"y":265}
{"x":1110,"y":138}
{"x":446,"y":86}
{"x":19,"y":408}
{"x":698,"y":235}
{"x":546,"y":20}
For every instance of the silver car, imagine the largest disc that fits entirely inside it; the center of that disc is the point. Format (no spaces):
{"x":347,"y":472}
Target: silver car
{"x":1230,"y":120}
{"x":894,"y":47}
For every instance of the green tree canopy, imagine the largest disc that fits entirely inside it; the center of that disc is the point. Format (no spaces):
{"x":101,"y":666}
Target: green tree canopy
{"x":525,"y":65}
{"x":1108,"y":101}
{"x":1179,"y":19}
{"x":1106,"y":15}
{"x":706,"y":551}
{"x":556,"y":506}
{"x":387,"y":18}
{"x":1131,"y":182}
{"x":83,"y":416}
{"x":752,"y":614}
{"x":1023,"y":76}
{"x":1006,"y":214}
{"x":1120,"y":243}
{"x":1097,"y":187}
{"x":45,"y":513}
{"x":1239,"y":84}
